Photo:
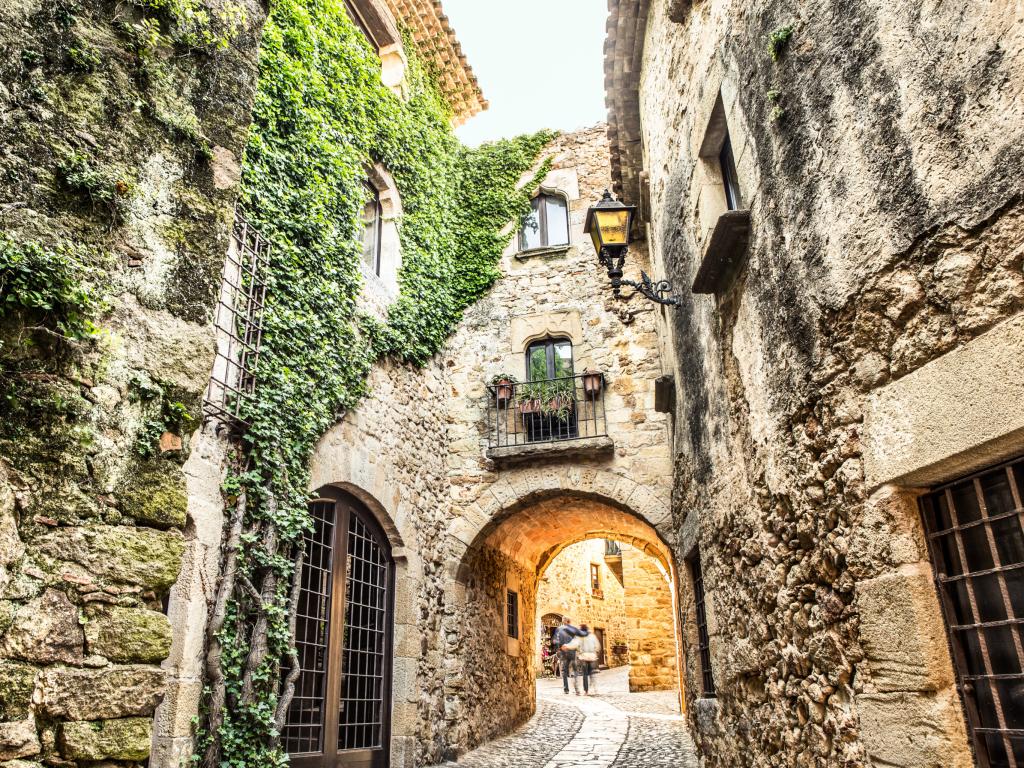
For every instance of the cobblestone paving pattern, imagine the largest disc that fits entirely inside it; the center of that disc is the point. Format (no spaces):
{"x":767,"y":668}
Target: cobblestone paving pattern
{"x":533,"y":744}
{"x":615,"y":729}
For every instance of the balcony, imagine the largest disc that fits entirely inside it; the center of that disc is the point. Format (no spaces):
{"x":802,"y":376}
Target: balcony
{"x":550,"y":417}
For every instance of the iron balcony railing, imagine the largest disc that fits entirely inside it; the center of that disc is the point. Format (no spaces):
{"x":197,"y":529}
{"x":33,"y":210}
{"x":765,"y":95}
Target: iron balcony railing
{"x":546,"y":411}
{"x":612,"y":548}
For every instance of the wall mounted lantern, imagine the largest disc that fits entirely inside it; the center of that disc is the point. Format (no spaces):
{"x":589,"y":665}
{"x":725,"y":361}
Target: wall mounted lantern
{"x":609,"y":224}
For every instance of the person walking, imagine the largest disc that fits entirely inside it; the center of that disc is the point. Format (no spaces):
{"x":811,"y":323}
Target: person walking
{"x":588,"y":650}
{"x":563,"y":636}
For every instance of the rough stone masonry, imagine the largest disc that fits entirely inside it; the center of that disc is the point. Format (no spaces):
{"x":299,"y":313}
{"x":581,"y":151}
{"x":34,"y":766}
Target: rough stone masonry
{"x":857,"y":354}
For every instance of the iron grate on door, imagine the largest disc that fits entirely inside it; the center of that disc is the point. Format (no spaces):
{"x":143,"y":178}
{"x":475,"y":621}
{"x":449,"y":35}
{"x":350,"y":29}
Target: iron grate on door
{"x":304,"y":728}
{"x":976,"y":542}
{"x":703,"y":640}
{"x":361,"y":716}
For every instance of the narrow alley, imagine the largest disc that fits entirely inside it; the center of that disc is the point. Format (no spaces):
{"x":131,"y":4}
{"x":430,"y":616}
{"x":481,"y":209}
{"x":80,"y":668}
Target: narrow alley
{"x":615,"y":729}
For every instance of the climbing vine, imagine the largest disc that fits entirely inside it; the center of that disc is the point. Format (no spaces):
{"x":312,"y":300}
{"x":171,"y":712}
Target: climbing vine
{"x":321,"y":117}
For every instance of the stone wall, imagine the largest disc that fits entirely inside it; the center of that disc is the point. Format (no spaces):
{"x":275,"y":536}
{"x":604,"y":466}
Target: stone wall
{"x":650,"y":627}
{"x":884,"y":184}
{"x":120,"y":159}
{"x":564,"y":588}
{"x":390,"y":452}
{"x":530,"y":509}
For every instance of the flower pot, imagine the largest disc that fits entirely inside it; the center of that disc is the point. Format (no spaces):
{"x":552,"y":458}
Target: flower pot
{"x":527,"y":407}
{"x":592,"y":382}
{"x":503,"y":392}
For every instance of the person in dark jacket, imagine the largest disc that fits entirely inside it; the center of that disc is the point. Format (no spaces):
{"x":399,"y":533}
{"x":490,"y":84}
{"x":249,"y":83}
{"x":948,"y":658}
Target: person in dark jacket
{"x":567,"y":658}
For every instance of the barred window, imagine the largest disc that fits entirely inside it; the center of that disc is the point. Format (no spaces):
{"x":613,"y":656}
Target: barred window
{"x":703,"y":641}
{"x":512,"y":614}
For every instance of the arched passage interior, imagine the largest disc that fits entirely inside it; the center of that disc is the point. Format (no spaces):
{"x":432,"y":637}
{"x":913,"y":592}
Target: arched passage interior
{"x":492,"y":628}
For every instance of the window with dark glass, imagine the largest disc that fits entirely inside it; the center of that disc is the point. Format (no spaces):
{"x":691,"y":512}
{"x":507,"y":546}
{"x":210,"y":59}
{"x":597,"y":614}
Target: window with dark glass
{"x":512,"y":614}
{"x":730,"y":179}
{"x":976,"y":541}
{"x":549,"y":359}
{"x":703,"y":641}
{"x":370,"y":235}
{"x":547,"y":223}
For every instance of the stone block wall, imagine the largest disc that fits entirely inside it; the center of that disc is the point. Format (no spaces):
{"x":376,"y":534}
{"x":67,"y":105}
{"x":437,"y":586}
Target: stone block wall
{"x":529,"y":511}
{"x":121,"y":161}
{"x":884,"y":185}
{"x":650,"y":627}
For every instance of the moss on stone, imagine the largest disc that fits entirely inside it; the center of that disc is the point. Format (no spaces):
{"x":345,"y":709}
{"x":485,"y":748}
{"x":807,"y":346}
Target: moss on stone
{"x":128,"y":634}
{"x":17,"y":682}
{"x":126,"y":739}
{"x":154,"y":493}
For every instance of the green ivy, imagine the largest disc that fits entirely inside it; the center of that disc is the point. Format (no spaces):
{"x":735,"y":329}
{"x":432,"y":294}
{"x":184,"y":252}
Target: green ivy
{"x":321,"y":117}
{"x":52,"y":289}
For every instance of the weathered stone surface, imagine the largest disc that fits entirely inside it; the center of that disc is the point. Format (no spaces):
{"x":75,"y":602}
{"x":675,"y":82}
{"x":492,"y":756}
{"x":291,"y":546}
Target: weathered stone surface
{"x":140,"y":556}
{"x":126,"y":739}
{"x":11,"y":547}
{"x":45,"y":630}
{"x":128,"y":634}
{"x":904,"y":647}
{"x":96,"y":694}
{"x":19,"y":739}
{"x":154,"y":494}
{"x":927,"y":737}
{"x":17,"y":681}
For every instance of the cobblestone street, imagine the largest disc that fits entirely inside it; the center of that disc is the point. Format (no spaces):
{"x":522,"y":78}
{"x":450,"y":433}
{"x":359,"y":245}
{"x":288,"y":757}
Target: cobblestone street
{"x":615,"y":729}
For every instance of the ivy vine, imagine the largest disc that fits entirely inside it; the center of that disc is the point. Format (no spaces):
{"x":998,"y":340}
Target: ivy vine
{"x":321,"y":116}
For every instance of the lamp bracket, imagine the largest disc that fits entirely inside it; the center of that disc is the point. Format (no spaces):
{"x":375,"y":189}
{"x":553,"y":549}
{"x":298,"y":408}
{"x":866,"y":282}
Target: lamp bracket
{"x":660,"y":291}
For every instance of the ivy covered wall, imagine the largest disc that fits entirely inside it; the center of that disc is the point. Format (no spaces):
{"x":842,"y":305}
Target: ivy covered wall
{"x":321,"y":117}
{"x":123,"y":124}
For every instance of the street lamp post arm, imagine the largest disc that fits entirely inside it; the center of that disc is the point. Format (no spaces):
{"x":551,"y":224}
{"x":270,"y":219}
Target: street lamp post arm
{"x":659,"y":291}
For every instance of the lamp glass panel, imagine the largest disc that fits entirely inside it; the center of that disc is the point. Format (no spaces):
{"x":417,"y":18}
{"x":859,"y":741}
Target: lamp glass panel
{"x":614,"y":226}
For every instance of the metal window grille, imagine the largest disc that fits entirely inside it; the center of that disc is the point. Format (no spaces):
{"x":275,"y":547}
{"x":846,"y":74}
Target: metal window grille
{"x":512,"y":613}
{"x":703,"y":641}
{"x":304,"y":728}
{"x":361,"y":715}
{"x":343,"y":639}
{"x":239,"y":324}
{"x":546,"y":411}
{"x":974,"y":532}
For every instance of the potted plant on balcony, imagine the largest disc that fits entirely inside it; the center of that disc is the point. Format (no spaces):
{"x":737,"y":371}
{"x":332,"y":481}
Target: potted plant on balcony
{"x":504,"y":386}
{"x":593,"y":381}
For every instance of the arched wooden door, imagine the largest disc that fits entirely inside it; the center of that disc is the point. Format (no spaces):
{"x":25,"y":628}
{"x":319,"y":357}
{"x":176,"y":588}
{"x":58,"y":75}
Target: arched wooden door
{"x":340,"y":716}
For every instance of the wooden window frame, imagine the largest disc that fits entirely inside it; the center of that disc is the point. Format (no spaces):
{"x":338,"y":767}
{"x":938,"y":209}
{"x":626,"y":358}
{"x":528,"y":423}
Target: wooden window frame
{"x":549,"y":344}
{"x":595,"y":580}
{"x":331,"y":755}
{"x":378,"y":227}
{"x":730,"y":177}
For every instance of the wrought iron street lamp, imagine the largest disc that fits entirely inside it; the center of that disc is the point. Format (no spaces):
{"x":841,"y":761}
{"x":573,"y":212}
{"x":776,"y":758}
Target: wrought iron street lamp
{"x":609,"y":224}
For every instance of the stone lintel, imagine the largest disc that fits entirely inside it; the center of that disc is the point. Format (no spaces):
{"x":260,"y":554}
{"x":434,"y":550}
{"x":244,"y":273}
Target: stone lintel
{"x":957,"y":414}
{"x":725,"y":252}
{"x":585,"y":446}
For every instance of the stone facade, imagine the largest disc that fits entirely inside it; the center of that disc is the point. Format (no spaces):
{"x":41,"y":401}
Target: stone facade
{"x":466,"y":530}
{"x":650,"y":629}
{"x":854,"y":358}
{"x":134,"y":175}
{"x":633,"y":608}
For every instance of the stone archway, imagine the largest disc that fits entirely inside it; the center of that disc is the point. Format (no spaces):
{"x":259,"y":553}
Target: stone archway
{"x":509,"y":533}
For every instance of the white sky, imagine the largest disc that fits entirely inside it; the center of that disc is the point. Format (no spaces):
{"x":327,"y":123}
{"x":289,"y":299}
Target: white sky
{"x":540,"y":63}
